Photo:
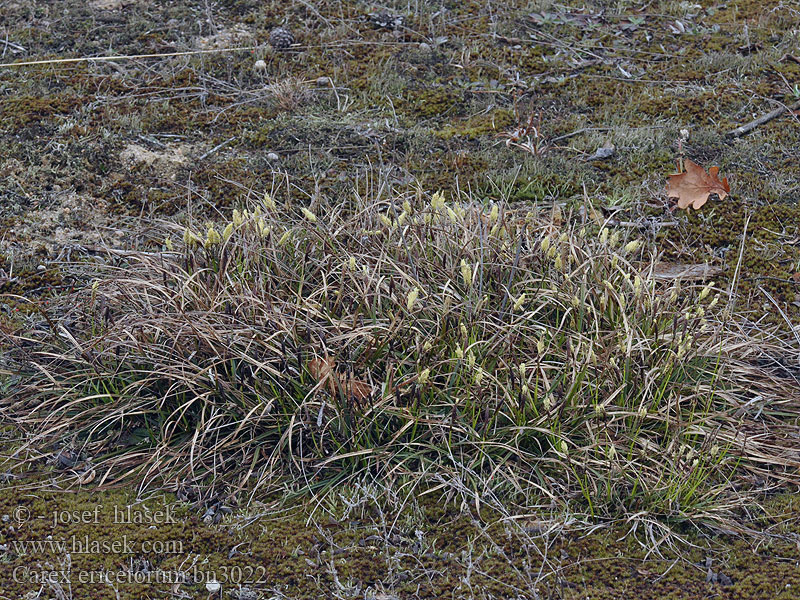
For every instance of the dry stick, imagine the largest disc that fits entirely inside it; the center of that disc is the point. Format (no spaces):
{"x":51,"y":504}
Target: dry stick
{"x":748,"y":127}
{"x":217,"y":147}
{"x":735,"y":280}
{"x":80,"y":59}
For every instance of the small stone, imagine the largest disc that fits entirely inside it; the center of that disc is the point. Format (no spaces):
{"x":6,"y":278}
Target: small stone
{"x":424,"y":46}
{"x":213,"y":586}
{"x":260,"y":65}
{"x":273,"y":157}
{"x":323,"y":81}
{"x":604,"y":152}
{"x":280,"y":38}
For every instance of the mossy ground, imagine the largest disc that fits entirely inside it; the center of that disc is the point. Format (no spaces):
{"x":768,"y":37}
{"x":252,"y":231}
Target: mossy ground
{"x":428,"y":102}
{"x":425,"y":104}
{"x":361,"y":546}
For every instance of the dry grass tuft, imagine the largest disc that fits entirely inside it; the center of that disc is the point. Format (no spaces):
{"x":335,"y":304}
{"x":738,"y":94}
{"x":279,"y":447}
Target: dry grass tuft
{"x":495,"y":355}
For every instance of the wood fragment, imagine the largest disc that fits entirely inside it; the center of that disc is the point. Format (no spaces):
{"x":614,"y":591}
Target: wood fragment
{"x":664,"y":270}
{"x":748,"y":127}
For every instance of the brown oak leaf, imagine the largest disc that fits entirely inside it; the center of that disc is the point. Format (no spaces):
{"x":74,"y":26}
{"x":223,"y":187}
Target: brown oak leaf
{"x":694,"y":185}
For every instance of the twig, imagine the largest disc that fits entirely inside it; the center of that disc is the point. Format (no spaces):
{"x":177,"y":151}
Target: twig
{"x":748,"y":127}
{"x":217,"y":147}
{"x":735,"y":279}
{"x":153,"y":141}
{"x":79,"y":59}
{"x":12,"y":45}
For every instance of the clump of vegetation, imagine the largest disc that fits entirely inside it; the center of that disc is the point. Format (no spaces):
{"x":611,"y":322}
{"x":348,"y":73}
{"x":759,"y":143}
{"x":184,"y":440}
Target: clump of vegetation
{"x":425,"y":341}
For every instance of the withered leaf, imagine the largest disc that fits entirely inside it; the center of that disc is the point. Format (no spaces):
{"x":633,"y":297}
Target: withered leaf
{"x":323,"y":370}
{"x":694,"y":185}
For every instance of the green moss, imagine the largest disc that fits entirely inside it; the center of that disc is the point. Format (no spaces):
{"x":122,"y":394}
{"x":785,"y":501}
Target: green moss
{"x":433,"y":102}
{"x":479,"y":125}
{"x":767,"y":260}
{"x":430,"y":548}
{"x":20,"y":112}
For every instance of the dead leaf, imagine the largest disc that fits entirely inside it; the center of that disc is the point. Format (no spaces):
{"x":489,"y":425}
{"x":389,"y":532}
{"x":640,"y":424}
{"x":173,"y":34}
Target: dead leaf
{"x":324,"y":371}
{"x":694,"y":185}
{"x":557,"y":215}
{"x":321,"y":369}
{"x":87,"y":477}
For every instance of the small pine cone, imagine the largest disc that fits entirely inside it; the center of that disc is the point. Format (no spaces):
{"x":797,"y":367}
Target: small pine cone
{"x":280,"y":38}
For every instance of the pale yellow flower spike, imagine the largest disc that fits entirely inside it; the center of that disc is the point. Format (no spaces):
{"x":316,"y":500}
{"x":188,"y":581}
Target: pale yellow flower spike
{"x":466,"y":273}
{"x":412,"y":299}
{"x":632,"y":246}
{"x":706,"y":290}
{"x":212,"y":237}
{"x":493,"y":214}
{"x":545,"y":245}
{"x":422,"y":378}
{"x":308,"y":214}
{"x":519,"y":302}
